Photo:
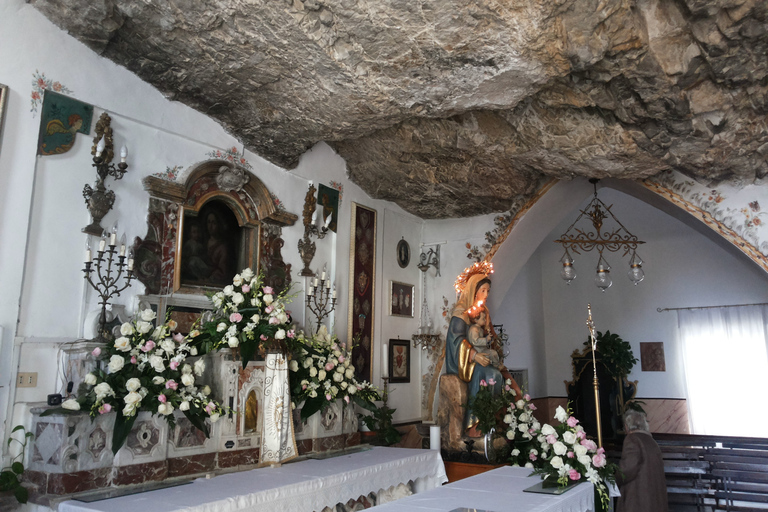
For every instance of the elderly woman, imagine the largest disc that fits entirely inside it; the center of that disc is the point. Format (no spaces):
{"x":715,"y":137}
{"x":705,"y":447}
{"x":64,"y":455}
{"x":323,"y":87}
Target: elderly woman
{"x":641,"y":481}
{"x":461,"y":358}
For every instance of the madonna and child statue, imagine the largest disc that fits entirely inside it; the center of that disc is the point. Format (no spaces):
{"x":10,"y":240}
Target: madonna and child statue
{"x":473,"y":349}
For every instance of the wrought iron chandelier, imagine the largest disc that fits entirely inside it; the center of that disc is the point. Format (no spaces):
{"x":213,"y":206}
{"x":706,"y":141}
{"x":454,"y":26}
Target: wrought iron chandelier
{"x":612,"y":239}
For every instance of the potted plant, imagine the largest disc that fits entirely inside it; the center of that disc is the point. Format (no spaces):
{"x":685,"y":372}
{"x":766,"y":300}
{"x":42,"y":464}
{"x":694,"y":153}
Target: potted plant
{"x":10,"y":477}
{"x":379,"y":425}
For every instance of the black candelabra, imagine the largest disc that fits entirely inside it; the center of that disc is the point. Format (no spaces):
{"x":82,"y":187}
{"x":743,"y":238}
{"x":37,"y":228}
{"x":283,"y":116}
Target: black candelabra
{"x":105,"y":283}
{"x":321,"y":300}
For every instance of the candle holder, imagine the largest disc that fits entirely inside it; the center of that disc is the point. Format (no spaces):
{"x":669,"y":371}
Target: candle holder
{"x":306,"y":245}
{"x":321,"y":300}
{"x":105,"y":284}
{"x":99,"y":200}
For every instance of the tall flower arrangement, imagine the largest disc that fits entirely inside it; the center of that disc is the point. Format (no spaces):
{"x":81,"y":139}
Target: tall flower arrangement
{"x":248,"y":316}
{"x":522,"y":430}
{"x":566,"y":456}
{"x":146,"y":369}
{"x":486,"y":406}
{"x":322,"y":372}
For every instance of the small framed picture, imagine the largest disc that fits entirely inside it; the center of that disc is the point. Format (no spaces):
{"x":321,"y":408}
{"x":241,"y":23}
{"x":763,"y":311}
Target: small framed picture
{"x":403,"y":253}
{"x":400,"y":299}
{"x":399,"y":361}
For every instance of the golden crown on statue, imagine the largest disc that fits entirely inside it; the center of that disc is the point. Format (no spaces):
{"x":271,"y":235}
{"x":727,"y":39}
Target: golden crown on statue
{"x":479,"y":267}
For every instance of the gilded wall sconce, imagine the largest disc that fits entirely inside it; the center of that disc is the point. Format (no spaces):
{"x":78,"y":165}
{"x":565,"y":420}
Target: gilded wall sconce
{"x":306,"y":245}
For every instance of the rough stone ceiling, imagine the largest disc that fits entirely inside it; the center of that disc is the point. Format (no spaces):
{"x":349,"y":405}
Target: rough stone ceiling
{"x":452,"y":108}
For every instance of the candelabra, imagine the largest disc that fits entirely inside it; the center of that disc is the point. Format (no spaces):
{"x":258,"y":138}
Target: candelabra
{"x":321,"y":300}
{"x":99,"y":200}
{"x":106,"y":285}
{"x":306,"y":245}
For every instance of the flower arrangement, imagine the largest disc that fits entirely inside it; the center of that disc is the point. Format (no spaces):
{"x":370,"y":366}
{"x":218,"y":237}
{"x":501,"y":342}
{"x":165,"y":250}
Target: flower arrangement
{"x":522,"y":429}
{"x":322,"y":372}
{"x":147,"y":369}
{"x":566,"y":456}
{"x":248,"y":316}
{"x":487,"y":406}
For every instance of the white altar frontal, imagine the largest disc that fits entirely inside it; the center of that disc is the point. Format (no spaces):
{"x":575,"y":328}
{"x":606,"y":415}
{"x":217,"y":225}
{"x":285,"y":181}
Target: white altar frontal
{"x":302,"y":486}
{"x":499,"y":490}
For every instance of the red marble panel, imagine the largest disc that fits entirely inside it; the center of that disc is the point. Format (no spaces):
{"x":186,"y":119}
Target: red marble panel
{"x":192,"y":464}
{"x":304,"y":446}
{"x":67,"y":483}
{"x":238,"y":458}
{"x":353,"y":439}
{"x":140,"y":473}
{"x":327,"y":444}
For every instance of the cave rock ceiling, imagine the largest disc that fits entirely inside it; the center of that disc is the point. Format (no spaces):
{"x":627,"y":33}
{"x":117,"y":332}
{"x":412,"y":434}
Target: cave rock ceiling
{"x":452,"y":108}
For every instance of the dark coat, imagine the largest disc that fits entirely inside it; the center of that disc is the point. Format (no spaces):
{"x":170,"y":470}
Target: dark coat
{"x":642,"y":484}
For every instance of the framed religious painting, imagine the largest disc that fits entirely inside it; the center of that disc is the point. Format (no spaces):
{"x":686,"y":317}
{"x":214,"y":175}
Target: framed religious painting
{"x":401,"y":299}
{"x":403,"y":253}
{"x":362,"y":280}
{"x":399,"y":361}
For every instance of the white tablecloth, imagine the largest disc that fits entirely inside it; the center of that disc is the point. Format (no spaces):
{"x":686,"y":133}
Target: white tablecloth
{"x":303,"y":486}
{"x":499,"y":490}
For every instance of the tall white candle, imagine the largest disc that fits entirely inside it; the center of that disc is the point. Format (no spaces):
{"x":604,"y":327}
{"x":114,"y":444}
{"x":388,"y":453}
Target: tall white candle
{"x":384,"y":365}
{"x":130,"y":264}
{"x":322,"y":276}
{"x":434,"y":437}
{"x":113,"y":239}
{"x":122,"y":250}
{"x":88,"y":255}
{"x":102,"y":244}
{"x":333,"y":296}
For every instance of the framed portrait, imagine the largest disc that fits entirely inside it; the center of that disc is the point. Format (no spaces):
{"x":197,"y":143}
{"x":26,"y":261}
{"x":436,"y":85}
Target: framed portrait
{"x":399,"y":361}
{"x":328,"y":198}
{"x":403,"y":253}
{"x":401,"y":299}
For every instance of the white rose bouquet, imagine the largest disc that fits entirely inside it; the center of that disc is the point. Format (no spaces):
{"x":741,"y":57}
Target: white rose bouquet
{"x":248,"y":316}
{"x":565,"y":455}
{"x":147,"y":369}
{"x":522,"y":430}
{"x":322,"y":371}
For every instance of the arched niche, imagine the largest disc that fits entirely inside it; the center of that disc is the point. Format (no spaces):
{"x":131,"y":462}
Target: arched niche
{"x":211,"y":185}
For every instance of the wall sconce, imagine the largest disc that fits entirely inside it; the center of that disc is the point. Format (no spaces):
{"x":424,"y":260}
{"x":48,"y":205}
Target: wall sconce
{"x":424,"y":338}
{"x":430,"y":259}
{"x":306,"y":245}
{"x":100,"y":200}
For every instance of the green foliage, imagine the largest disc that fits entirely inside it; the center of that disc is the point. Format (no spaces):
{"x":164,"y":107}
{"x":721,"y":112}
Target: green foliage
{"x":488,"y":408}
{"x":380,"y":421}
{"x":10,"y":477}
{"x":615,"y":353}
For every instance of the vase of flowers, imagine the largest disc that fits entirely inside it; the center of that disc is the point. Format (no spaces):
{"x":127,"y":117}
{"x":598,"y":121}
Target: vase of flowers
{"x":322,"y":372}
{"x":249,"y":317}
{"x":521,"y":430}
{"x":146,"y":369}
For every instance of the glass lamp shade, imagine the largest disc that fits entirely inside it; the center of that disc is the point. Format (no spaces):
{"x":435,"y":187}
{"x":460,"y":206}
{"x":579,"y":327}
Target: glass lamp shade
{"x":603,"y":275}
{"x":636,"y":273}
{"x":568,"y":273}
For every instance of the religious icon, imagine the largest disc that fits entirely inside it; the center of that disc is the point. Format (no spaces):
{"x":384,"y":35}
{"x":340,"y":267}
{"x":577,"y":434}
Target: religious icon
{"x":401,"y":299}
{"x":329,"y":199}
{"x":399,"y":361}
{"x":62,"y":118}
{"x":403,"y":253}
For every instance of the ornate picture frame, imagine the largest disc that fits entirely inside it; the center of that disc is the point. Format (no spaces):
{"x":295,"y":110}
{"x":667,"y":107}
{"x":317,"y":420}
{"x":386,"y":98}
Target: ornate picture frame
{"x":399,"y":358}
{"x":403,"y":253}
{"x":401,"y":299}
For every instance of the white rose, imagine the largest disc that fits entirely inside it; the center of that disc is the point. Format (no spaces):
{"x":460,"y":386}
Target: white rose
{"x":199,"y":367}
{"x":580,"y":450}
{"x":585,"y":460}
{"x":214,"y":417}
{"x":71,"y":405}
{"x":229,"y":289}
{"x":157,"y":380}
{"x":132,"y":398}
{"x":186,"y":369}
{"x":206,"y":390}
{"x":233,"y":341}
{"x":508,"y":419}
{"x":158,"y":332}
{"x":548,"y":430}
{"x":560,"y":448}
{"x":510,"y":434}
{"x":255,"y":302}
{"x":280,"y":334}
{"x":221,"y":327}
{"x":515,"y":452}
{"x":268,"y":299}
{"x":321,"y":375}
{"x":102,"y":390}
{"x":187,"y":379}
{"x":312,"y":371}
{"x":165,"y":409}
{"x":352,"y":390}
{"x":294,"y":365}
{"x":90,"y":379}
{"x":116,"y":364}
{"x":247,"y":274}
{"x":520,"y":404}
{"x":133,"y":384}
{"x":184,"y":406}
{"x":283,"y":318}
{"x":238,"y":298}
{"x":148,"y":315}
{"x":569,"y":437}
{"x":122,"y":344}
{"x":168,"y":345}
{"x":129,"y":410}
{"x":556,"y":462}
{"x":237,"y":280}
{"x":337,"y":377}
{"x":344,"y":385}
{"x":560,"y":414}
{"x":157,"y":363}
{"x":126,"y":329}
{"x":313,"y":394}
{"x":143,"y":327}
{"x":350,"y":373}
{"x":255,"y":319}
{"x":523,"y":417}
{"x":232,"y":331}
{"x":193,"y":351}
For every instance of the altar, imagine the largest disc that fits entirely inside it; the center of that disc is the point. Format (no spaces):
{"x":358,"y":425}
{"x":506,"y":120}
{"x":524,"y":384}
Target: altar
{"x":303,"y":486}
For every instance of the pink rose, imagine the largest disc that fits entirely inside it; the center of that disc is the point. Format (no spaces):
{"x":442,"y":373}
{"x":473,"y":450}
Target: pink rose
{"x":263,"y":338}
{"x":572,"y":422}
{"x":342,"y":359}
{"x":269,"y":309}
{"x":491,"y":381}
{"x":581,"y":435}
{"x":235,"y":317}
{"x":589,"y":444}
{"x":532,"y":407}
{"x":304,"y":386}
{"x":268,"y":289}
{"x":162,"y":398}
{"x":526,"y":397}
{"x":574,"y":474}
{"x":483,"y":383}
{"x":569,"y":455}
{"x":149,"y":345}
{"x":174,"y":365}
{"x":178,"y":337}
{"x":532,"y":456}
{"x":96,"y":352}
{"x":551,"y":439}
{"x":133,"y":360}
{"x":246,"y":288}
{"x":105,"y":408}
{"x":171,"y":384}
{"x":346,"y":398}
{"x":507,"y":388}
{"x":291,"y":333}
{"x":598,"y":460}
{"x":531,"y":431}
{"x":273,"y":320}
{"x":328,"y":396}
{"x":328,"y":367}
{"x":210,"y":407}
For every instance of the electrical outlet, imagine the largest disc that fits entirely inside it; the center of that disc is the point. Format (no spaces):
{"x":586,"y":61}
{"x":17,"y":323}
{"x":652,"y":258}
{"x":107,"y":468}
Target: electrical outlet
{"x":26,"y":380}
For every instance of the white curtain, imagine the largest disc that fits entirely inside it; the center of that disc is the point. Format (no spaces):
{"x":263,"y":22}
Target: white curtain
{"x":725,"y":352}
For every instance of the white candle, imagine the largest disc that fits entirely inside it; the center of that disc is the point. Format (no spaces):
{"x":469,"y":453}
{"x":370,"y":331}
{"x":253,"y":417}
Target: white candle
{"x":322,"y":276}
{"x":113,"y":239}
{"x":384,"y":366}
{"x":130,"y":264}
{"x":434,"y":437}
{"x":333,"y":296}
{"x":88,"y":255}
{"x":328,"y":284}
{"x":123,"y":153}
{"x":122,"y":250}
{"x":102,"y":244}
{"x":310,"y":291}
{"x":100,"y":146}
{"x":315,"y":283}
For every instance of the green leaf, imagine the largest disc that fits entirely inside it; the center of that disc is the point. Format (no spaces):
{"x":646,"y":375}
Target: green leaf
{"x":365,"y":404}
{"x":8,"y":480}
{"x":123,"y":427}
{"x":17,"y":467}
{"x":198,"y":421}
{"x":311,"y":406}
{"x":22,"y":494}
{"x":17,"y":427}
{"x":247,"y":351}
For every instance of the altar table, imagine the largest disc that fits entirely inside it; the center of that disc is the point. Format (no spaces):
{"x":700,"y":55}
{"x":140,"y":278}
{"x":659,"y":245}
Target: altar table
{"x":499,"y":490}
{"x":304,"y":486}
